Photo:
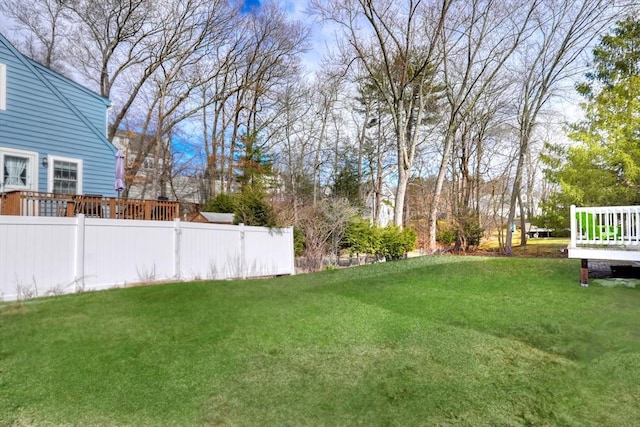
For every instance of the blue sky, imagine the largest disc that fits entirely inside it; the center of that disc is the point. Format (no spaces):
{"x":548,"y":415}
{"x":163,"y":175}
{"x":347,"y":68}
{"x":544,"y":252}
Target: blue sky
{"x":320,"y":35}
{"x":248,"y":5}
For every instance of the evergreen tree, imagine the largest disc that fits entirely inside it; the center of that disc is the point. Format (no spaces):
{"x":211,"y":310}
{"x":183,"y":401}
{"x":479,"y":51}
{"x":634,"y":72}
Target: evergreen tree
{"x":255,"y":167}
{"x":251,"y":205}
{"x":347,"y":186}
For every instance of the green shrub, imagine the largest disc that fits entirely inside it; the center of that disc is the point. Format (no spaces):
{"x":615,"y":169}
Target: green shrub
{"x":395,"y":243}
{"x":391,"y":242}
{"x":222,"y":203}
{"x":298,"y":241}
{"x":361,"y":237}
{"x":251,"y":208}
{"x":472,"y":231}
{"x":410,"y":239}
{"x":562,"y":232}
{"x":445,"y":234}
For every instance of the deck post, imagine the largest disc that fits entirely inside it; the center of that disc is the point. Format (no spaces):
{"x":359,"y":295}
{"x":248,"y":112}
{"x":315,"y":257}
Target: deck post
{"x":573,"y":220}
{"x":584,"y":273}
{"x":147,"y":209}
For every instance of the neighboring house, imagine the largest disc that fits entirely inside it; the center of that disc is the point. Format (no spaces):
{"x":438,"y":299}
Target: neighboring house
{"x":191,"y":189}
{"x":52,"y":131}
{"x":384,"y":202}
{"x":211,"y":217}
{"x":154,"y":178}
{"x":148,"y":164}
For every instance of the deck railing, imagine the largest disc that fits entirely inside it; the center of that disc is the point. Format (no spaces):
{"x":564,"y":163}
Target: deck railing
{"x":604,"y":233}
{"x":34,"y":203}
{"x":607,"y":226}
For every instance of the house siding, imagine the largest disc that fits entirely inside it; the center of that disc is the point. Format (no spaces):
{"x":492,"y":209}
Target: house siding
{"x":92,"y":105}
{"x":50,"y":115}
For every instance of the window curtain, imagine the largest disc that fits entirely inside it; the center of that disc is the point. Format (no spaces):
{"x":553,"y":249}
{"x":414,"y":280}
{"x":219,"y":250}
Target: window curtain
{"x":15,"y":171}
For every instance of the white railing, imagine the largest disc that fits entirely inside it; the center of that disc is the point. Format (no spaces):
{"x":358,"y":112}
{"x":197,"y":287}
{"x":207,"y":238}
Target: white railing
{"x":605,"y":233}
{"x":45,"y":255}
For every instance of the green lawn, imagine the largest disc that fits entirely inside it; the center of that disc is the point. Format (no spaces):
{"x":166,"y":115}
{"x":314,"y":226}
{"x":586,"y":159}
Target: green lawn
{"x":542,"y":247}
{"x":425,"y":341}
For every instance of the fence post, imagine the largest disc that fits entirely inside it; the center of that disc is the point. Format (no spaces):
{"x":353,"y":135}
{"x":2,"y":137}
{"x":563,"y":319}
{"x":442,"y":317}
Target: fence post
{"x":79,"y":253}
{"x":176,"y":247}
{"x":243,"y":268}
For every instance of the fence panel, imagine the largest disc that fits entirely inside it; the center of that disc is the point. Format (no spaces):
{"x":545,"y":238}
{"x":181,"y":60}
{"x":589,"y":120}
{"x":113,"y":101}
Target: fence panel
{"x":43,"y":255}
{"x":277,"y":259}
{"x":36,"y":257}
{"x":210,"y":251}
{"x":118,"y":252}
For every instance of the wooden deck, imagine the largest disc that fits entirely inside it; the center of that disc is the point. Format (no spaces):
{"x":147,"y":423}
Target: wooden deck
{"x":34,"y":203}
{"x":604,"y":233}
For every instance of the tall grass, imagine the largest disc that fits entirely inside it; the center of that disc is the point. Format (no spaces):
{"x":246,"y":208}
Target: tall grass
{"x":426,"y":341}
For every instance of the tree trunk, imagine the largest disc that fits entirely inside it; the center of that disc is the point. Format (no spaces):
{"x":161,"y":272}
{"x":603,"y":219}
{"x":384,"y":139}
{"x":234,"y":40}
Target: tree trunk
{"x":433,"y":209}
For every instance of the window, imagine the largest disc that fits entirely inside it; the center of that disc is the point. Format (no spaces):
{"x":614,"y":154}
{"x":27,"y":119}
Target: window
{"x":18,"y":169}
{"x":65,"y":175}
{"x":15,"y":170}
{"x":3,"y":87}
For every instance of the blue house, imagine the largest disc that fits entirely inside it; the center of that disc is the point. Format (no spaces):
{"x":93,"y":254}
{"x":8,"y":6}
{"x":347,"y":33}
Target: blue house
{"x":52,"y":131}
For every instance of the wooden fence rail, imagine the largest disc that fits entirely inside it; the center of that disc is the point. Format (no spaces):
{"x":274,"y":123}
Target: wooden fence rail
{"x":35,"y":203}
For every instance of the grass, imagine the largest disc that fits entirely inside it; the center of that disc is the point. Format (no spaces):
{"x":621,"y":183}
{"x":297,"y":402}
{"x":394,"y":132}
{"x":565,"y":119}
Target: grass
{"x":426,"y":341}
{"x":540,"y":247}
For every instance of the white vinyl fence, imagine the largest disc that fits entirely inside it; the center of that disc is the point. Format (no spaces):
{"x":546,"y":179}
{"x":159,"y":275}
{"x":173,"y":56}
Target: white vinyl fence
{"x":46,"y":256}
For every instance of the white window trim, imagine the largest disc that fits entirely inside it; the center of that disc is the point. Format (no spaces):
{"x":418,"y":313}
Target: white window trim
{"x":32,"y":180}
{"x":3,"y":86}
{"x":51,"y":159}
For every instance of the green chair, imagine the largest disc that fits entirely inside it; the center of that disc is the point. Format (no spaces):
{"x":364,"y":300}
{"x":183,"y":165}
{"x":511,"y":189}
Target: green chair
{"x":588,"y":227}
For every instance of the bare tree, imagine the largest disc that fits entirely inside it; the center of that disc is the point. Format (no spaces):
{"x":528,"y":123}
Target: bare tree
{"x":295,"y":127}
{"x":477,"y":46}
{"x":223,"y":63}
{"x":323,"y":223}
{"x":564,"y":28}
{"x":375,"y":147}
{"x":387,"y":40}
{"x":325,"y":100}
{"x":118,"y":44}
{"x":166,"y":98}
{"x":270,"y":56}
{"x":42,"y":27}
{"x":470,"y":163}
{"x":260,"y":55}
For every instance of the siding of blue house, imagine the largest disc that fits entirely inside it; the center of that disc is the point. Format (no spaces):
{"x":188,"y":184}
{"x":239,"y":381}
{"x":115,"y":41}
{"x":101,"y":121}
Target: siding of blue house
{"x":53,"y":116}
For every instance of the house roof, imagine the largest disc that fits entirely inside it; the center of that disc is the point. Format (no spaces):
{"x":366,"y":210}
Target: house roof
{"x":67,"y":80}
{"x":135,"y":140}
{"x":44,"y":74}
{"x":219,"y":218}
